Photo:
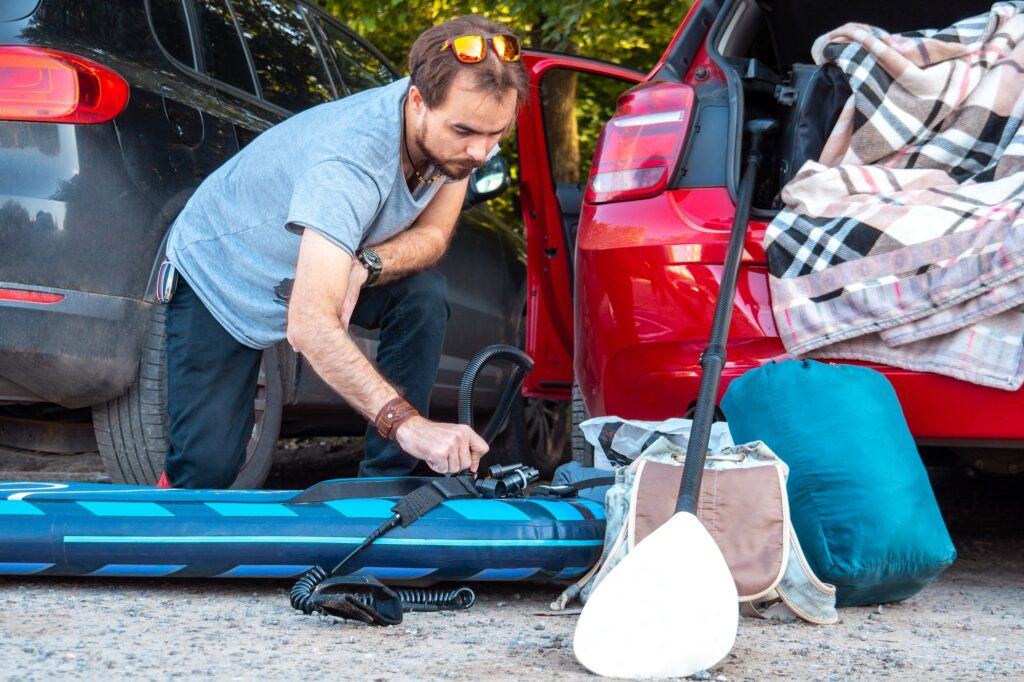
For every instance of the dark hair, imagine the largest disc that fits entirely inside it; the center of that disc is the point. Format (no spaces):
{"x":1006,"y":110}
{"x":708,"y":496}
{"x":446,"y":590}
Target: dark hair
{"x":432,"y":70}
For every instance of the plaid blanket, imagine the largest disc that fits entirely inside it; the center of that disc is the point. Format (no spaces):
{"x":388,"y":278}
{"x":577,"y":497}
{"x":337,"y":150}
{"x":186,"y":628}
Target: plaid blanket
{"x":904,"y":244}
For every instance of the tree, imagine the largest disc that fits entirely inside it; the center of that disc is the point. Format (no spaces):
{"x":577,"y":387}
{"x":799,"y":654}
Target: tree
{"x":628,"y":32}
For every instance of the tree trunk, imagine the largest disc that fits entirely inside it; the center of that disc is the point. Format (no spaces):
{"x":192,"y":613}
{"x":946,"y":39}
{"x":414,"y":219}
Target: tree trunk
{"x":558,"y":95}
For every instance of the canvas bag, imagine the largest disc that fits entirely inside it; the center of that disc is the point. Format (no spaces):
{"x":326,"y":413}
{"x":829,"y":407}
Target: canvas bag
{"x":744,"y":507}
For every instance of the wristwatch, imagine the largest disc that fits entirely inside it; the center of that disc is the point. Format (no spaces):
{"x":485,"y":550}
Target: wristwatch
{"x":371,"y":260}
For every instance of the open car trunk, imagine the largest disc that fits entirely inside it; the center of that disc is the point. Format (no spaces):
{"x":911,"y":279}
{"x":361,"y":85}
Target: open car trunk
{"x":764,"y":47}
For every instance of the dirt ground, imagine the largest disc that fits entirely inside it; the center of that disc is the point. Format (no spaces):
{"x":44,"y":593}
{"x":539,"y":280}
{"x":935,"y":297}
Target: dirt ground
{"x":969,"y":625}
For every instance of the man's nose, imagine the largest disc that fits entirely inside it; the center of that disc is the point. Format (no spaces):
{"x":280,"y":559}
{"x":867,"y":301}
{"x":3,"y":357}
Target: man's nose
{"x":477,"y":151}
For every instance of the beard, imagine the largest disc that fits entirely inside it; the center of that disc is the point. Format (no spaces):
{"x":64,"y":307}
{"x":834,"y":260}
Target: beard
{"x":456,"y":169}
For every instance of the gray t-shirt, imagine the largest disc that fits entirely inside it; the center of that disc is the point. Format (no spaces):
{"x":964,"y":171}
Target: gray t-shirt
{"x":335,"y":168}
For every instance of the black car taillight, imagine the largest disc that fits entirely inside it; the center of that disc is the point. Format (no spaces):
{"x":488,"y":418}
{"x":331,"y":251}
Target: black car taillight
{"x":640,"y":146}
{"x":40,"y":84}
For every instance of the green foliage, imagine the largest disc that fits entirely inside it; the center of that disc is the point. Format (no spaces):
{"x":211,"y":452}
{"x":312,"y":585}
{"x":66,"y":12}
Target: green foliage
{"x":628,"y":32}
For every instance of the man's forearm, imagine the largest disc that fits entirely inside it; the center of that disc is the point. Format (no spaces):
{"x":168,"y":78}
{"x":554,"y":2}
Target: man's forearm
{"x":411,"y":251}
{"x":339,"y":362}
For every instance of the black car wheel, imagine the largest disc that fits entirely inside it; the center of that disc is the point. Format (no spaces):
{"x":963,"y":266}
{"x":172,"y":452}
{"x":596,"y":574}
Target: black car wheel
{"x":547,"y":432}
{"x":131,"y":430}
{"x":582,"y":451}
{"x":536,"y":434}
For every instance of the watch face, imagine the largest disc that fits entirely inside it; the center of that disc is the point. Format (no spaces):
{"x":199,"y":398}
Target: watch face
{"x":371,"y":258}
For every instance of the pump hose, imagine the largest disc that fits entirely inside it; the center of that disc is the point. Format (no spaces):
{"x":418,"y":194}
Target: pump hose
{"x":432,"y":600}
{"x":523,"y":364}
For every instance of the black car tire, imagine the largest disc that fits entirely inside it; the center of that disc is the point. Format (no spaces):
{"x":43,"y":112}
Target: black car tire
{"x":548,"y":427}
{"x":131,"y":430}
{"x":582,"y":451}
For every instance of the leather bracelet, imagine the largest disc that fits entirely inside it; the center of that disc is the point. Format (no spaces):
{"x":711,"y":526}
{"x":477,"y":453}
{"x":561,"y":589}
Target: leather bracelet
{"x":394,"y":413}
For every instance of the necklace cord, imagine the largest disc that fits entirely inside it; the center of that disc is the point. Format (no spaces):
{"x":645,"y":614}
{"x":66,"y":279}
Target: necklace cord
{"x":423,"y":180}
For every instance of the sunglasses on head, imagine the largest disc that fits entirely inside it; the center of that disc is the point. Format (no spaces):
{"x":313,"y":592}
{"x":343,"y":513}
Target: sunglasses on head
{"x":470,"y":49}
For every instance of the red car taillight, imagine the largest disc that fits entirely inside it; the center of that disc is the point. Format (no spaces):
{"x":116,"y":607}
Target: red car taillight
{"x":639,"y":148}
{"x":25,"y":296}
{"x":39,"y":84}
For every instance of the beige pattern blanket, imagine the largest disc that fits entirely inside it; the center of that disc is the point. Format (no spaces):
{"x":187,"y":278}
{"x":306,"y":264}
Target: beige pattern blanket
{"x":904,"y":244}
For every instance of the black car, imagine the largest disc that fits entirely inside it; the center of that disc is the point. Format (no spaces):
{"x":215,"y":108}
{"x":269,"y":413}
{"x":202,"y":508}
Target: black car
{"x":111,"y":114}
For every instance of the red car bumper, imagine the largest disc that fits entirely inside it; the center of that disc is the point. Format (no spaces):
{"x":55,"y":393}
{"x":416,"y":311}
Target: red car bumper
{"x":646,"y":284}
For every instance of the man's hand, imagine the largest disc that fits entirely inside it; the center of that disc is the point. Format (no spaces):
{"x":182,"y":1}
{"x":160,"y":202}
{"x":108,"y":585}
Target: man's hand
{"x":446,"y":448}
{"x":356,"y":279}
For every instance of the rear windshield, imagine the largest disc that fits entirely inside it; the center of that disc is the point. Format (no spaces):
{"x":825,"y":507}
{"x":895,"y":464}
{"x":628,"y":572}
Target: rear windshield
{"x":16,"y":9}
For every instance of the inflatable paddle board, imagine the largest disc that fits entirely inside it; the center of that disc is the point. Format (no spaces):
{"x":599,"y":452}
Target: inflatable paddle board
{"x":83,"y":529}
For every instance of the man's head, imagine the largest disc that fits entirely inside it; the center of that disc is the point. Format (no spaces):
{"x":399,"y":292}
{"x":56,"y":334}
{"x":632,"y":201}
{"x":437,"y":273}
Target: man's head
{"x":460,"y":109}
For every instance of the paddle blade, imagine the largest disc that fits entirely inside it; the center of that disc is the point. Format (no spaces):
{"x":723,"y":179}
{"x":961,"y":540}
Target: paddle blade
{"x":668,"y":609}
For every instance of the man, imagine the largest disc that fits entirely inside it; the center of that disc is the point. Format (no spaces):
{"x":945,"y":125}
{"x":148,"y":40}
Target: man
{"x":337,"y":215}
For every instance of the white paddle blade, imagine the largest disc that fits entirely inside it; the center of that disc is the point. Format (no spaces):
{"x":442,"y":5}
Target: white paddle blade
{"x":668,"y":609}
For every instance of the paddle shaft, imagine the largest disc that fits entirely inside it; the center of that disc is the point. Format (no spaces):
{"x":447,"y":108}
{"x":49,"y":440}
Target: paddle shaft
{"x":712,"y":360}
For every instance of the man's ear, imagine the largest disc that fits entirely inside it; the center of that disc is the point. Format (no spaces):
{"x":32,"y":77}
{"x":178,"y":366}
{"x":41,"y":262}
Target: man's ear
{"x":416,"y":99}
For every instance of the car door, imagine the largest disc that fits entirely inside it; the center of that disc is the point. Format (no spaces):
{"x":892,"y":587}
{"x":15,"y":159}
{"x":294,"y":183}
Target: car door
{"x":571,"y":99}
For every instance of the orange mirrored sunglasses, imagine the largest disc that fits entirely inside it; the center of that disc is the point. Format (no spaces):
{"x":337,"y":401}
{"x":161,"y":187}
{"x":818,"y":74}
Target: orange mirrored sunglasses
{"x":470,"y":49}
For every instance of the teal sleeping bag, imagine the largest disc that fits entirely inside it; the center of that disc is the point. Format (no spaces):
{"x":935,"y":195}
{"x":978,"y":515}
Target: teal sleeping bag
{"x":860,"y":500}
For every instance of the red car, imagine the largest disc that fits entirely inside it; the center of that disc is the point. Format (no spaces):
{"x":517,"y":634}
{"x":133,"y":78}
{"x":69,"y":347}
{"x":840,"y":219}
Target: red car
{"x":620,"y":325}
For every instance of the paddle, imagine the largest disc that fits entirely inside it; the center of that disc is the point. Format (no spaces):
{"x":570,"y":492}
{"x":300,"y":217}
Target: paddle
{"x":669,"y":608}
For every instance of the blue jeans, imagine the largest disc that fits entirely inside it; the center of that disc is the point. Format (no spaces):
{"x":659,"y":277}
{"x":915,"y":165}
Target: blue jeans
{"x":211,"y":377}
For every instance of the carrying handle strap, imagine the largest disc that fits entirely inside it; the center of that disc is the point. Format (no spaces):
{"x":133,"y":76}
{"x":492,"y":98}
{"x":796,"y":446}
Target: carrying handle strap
{"x":423,"y":499}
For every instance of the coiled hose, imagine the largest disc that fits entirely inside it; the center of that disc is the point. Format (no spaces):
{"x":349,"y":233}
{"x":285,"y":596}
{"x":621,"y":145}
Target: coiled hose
{"x":437,"y":599}
{"x":412,"y":599}
{"x":302,"y":590}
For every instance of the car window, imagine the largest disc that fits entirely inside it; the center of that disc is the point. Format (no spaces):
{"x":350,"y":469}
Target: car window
{"x":290,"y":70}
{"x":221,"y":46}
{"x":360,"y":69}
{"x":171,"y":27}
{"x":576,"y":106}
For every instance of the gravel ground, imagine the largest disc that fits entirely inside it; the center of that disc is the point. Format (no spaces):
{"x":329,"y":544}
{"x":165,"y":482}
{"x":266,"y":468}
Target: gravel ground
{"x":969,"y":625}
